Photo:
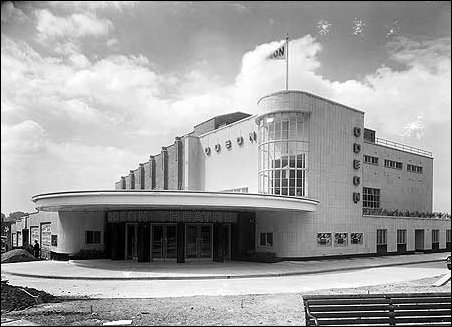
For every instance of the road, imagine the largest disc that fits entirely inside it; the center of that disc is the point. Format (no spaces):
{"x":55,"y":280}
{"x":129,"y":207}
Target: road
{"x":270,"y":285}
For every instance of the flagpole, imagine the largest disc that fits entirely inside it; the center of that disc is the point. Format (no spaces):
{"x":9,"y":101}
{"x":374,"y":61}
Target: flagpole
{"x":287,"y":62}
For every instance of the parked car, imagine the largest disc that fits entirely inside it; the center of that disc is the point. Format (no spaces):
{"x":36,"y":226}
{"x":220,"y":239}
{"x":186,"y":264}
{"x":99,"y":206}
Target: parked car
{"x":448,"y":262}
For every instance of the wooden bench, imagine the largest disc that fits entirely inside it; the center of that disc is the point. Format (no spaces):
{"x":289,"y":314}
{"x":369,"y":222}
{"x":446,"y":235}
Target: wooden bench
{"x":397,"y":309}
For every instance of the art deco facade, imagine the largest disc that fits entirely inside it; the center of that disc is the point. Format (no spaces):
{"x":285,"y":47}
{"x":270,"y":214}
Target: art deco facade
{"x":304,"y":178}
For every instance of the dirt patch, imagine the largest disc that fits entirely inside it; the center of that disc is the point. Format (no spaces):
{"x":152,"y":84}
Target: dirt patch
{"x":269,"y":310}
{"x":16,"y":298}
{"x":17,"y":255}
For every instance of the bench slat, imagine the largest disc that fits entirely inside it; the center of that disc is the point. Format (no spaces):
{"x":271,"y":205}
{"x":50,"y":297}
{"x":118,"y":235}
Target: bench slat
{"x":401,"y":307}
{"x":320,"y":315}
{"x":385,"y":295}
{"x":356,"y":307}
{"x":348,"y":301}
{"x":424,"y":319}
{"x":420,"y":313}
{"x":422,"y":300}
{"x":341,"y":322}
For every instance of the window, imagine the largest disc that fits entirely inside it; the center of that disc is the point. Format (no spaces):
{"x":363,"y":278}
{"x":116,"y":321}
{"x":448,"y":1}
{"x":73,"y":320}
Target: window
{"x":92,"y":237}
{"x":54,"y":240}
{"x":340,"y":239}
{"x":381,"y":236}
{"x":19,"y":239}
{"x":414,"y":169}
{"x":447,"y":235}
{"x":371,"y":197}
{"x":356,"y":238}
{"x":393,"y":164}
{"x":324,"y":239}
{"x":370,"y":160}
{"x":401,"y":236}
{"x":266,"y":239}
{"x":283,"y":154}
{"x":435,"y":235}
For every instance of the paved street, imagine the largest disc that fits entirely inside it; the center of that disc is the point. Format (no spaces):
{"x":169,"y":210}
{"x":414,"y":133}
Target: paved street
{"x":235,"y":286}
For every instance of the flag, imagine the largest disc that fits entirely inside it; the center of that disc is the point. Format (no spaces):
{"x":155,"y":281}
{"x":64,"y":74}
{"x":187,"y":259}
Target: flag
{"x":279,"y":53}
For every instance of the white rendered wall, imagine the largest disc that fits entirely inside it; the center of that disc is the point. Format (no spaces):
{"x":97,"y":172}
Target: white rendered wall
{"x":410,"y":224}
{"x":72,"y":227}
{"x":230,"y":168}
{"x":194,"y":164}
{"x":399,"y":189}
{"x":330,"y":178}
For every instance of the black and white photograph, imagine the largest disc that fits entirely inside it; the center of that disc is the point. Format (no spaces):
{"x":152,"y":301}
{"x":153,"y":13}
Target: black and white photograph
{"x":200,"y":163}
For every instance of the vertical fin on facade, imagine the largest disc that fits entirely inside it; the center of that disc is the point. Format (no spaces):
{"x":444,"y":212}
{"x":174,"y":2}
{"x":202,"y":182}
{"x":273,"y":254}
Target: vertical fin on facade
{"x":152,"y":171}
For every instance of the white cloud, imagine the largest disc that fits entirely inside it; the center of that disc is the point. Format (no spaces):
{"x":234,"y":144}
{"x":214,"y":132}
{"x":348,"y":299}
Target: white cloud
{"x":112,"y":43}
{"x":76,"y":25}
{"x":118,"y":110}
{"x":32,"y":163}
{"x":94,"y":5}
{"x":11,"y":14}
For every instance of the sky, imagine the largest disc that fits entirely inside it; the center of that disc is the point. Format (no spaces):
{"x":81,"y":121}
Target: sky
{"x":91,"y":89}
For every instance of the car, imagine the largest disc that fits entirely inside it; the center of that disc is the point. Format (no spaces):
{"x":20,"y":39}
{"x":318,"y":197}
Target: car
{"x":448,"y":262}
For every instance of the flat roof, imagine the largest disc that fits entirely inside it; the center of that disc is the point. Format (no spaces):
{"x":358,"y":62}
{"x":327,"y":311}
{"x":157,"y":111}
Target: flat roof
{"x":176,"y":200}
{"x":310,"y":94}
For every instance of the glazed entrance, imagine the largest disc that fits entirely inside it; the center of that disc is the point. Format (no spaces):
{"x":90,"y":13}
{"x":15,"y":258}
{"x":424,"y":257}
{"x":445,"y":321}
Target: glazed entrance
{"x":179,"y":236}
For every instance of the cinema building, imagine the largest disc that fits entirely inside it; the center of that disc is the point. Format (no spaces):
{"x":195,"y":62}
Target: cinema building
{"x":302,"y":179}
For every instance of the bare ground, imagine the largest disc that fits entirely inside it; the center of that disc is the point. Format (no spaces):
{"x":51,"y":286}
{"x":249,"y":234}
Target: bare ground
{"x":272,"y":309}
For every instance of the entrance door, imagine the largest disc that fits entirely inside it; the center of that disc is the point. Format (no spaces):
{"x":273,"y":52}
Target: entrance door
{"x":419,"y":239}
{"x":164,"y":242}
{"x":198,"y":241}
{"x":131,"y":242}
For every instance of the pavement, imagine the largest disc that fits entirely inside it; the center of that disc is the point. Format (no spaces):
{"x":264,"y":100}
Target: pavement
{"x":128,"y":270}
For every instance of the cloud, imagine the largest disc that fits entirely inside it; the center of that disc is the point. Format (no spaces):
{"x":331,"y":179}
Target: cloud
{"x":33,"y":163}
{"x":112,"y":43}
{"x":239,"y":7}
{"x":94,"y":5}
{"x":100,"y":118}
{"x":11,"y":14}
{"x":76,"y":25}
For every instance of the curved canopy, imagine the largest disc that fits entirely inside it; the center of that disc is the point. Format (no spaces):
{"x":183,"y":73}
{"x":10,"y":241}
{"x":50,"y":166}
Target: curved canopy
{"x":144,"y":199}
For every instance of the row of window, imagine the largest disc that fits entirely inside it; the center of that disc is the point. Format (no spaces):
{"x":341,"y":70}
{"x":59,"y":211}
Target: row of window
{"x":414,"y":168}
{"x":392,"y":164}
{"x":370,"y":160}
{"x":401,"y":236}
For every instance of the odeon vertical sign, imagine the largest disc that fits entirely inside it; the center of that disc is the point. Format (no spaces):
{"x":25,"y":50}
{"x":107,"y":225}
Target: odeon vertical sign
{"x":356,"y":163}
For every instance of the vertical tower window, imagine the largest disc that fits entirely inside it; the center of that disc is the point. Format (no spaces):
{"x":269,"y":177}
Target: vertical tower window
{"x":283,"y":154}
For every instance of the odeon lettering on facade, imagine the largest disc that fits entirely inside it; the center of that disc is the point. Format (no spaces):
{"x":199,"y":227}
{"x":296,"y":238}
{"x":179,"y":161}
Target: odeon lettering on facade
{"x":302,"y":179}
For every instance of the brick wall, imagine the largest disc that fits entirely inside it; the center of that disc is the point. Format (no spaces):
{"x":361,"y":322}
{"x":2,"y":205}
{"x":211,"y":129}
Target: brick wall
{"x":147,"y":175}
{"x":174,"y":164}
{"x":158,"y":172}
